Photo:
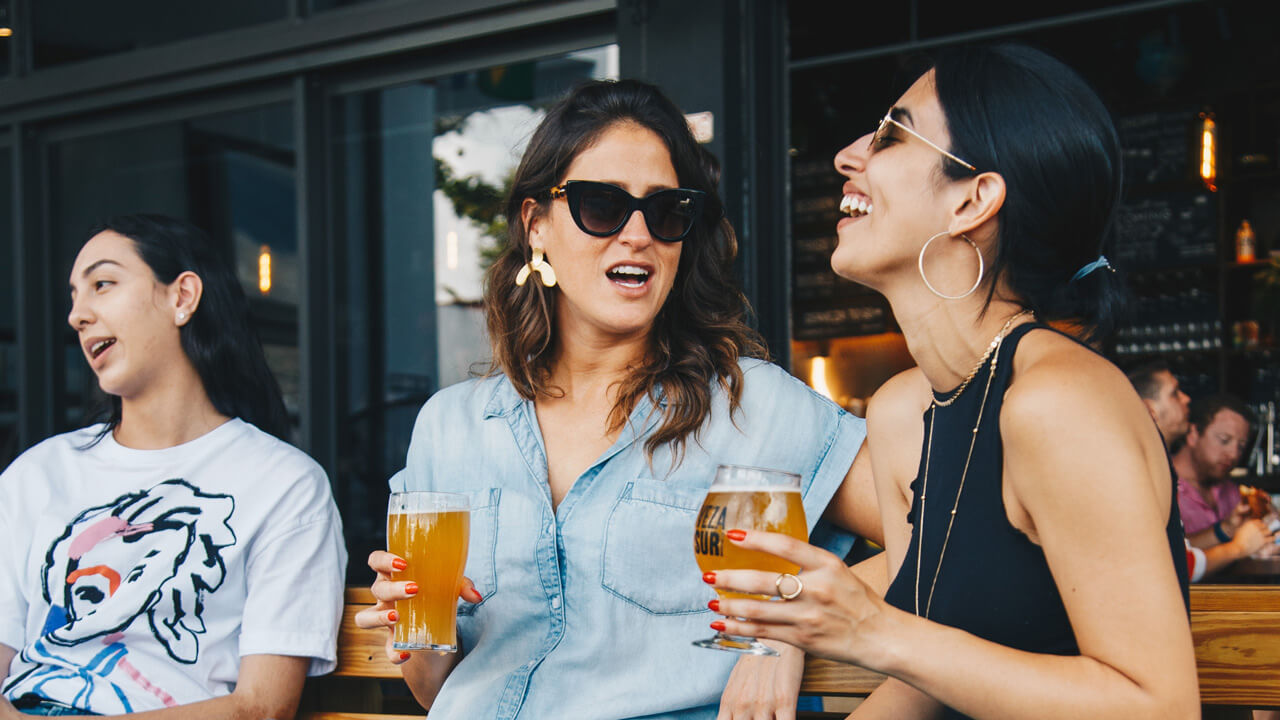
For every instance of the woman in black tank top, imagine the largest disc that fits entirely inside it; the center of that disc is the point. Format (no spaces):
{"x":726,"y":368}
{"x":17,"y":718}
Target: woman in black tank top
{"x":1031,"y":529}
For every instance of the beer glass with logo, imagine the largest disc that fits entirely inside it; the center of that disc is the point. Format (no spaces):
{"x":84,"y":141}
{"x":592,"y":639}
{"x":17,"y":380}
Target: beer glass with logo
{"x":431,"y":531}
{"x":750,"y":499}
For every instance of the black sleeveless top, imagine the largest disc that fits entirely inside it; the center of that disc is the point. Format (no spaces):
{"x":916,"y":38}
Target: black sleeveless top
{"x":993,"y":581}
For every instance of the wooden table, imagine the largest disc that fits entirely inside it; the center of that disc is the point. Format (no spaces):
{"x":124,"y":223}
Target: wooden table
{"x":1254,"y":571}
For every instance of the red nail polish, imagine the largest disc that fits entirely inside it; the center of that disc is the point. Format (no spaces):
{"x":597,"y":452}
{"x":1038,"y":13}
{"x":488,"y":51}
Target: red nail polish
{"x":714,"y":605}
{"x":718,"y":626}
{"x":399,"y":564}
{"x":736,"y":534}
{"x":411,"y":588}
{"x":405,"y":655}
{"x":392,"y":616}
{"x":709,"y":578}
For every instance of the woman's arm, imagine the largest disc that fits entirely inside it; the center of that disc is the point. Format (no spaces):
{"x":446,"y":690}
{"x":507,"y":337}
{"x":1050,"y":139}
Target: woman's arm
{"x":853,"y":507}
{"x":896,"y":700}
{"x":895,"y":429}
{"x":1100,"y":517}
{"x":268,"y":686}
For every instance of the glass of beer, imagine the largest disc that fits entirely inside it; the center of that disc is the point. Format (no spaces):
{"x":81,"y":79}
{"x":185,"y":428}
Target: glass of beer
{"x":431,"y":531}
{"x":750,"y":499}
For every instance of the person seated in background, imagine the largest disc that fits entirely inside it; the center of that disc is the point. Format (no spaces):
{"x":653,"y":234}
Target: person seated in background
{"x":1171,"y":409}
{"x":1215,"y":516}
{"x":1160,"y":392}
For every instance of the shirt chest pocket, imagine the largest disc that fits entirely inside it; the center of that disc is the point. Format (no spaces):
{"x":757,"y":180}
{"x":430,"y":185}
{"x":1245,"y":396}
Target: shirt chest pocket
{"x":482,"y":546}
{"x":647,"y":558}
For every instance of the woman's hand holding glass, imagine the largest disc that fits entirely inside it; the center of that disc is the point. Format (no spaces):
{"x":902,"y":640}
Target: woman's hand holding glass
{"x":833,"y":615}
{"x":387,"y":591}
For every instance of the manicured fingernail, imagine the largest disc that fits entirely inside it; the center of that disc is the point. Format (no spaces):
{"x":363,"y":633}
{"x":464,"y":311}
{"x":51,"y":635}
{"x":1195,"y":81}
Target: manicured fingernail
{"x":709,"y":578}
{"x":736,"y":534}
{"x":399,"y":564}
{"x":411,"y":588}
{"x":405,"y":656}
{"x":714,"y":605}
{"x":718,"y":626}
{"x":392,"y":616}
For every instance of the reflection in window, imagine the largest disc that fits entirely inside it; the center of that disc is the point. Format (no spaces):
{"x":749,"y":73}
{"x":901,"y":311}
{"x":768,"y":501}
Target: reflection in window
{"x":66,"y":31}
{"x":231,"y":174}
{"x":421,"y":175}
{"x":8,"y":318}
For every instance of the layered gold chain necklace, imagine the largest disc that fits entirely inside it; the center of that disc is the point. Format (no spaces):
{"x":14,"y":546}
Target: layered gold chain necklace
{"x":992,"y":354}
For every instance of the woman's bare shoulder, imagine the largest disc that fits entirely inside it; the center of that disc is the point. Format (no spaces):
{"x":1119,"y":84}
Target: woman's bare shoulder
{"x":903,"y":398}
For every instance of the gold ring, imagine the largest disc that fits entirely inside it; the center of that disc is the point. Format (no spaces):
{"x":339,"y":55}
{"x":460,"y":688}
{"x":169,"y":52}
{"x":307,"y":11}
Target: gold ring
{"x":777,"y":584}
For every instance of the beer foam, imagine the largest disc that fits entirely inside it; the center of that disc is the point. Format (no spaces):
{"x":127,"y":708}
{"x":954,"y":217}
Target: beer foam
{"x":751,"y":489}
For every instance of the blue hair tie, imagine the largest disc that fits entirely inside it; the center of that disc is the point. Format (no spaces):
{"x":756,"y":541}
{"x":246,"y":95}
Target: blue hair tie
{"x":1101,"y":262}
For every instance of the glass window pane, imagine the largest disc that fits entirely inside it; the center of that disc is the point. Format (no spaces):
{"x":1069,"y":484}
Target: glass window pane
{"x":231,"y":174}
{"x":8,"y":318}
{"x":73,"y":30}
{"x":421,"y":173}
{"x":321,"y":5}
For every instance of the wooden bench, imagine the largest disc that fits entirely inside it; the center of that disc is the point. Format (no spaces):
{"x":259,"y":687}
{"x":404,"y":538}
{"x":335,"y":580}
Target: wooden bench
{"x":1236,"y":629}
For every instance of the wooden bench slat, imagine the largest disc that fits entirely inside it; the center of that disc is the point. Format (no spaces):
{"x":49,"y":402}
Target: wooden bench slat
{"x":355,"y":716}
{"x":360,"y":651}
{"x":826,"y":677}
{"x":1236,"y":630}
{"x":1235,"y":598}
{"x":1237,"y":657}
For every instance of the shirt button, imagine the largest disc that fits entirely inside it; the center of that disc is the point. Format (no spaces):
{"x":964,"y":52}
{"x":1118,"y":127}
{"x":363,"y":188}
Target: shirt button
{"x":555,"y":602}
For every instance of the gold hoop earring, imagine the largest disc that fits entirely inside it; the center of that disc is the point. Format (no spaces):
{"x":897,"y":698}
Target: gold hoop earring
{"x":537,"y":264}
{"x":981,"y":268}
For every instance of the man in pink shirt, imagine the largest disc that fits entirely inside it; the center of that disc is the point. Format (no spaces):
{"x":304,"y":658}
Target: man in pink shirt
{"x":1214,"y":515}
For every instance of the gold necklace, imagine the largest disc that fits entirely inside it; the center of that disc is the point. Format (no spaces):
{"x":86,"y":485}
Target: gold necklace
{"x":995,"y":342}
{"x":973,"y":440}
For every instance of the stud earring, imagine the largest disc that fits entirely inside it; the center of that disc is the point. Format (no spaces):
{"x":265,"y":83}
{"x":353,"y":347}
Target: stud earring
{"x":537,"y":264}
{"x":182,"y":317}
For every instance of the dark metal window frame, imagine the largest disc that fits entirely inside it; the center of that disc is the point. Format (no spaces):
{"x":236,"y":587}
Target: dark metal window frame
{"x":307,"y":61}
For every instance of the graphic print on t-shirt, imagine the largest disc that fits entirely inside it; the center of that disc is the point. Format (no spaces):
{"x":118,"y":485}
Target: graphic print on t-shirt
{"x":133,"y":570}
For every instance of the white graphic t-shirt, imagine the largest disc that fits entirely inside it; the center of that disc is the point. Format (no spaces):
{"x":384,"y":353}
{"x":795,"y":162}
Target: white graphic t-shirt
{"x":134,"y":580}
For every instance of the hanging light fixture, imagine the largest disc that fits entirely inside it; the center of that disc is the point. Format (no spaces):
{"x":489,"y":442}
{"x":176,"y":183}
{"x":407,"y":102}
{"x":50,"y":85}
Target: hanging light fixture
{"x":264,"y":270}
{"x":1209,"y":151}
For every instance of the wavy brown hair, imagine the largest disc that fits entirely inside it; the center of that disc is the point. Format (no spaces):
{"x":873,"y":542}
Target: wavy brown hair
{"x":701,"y":330}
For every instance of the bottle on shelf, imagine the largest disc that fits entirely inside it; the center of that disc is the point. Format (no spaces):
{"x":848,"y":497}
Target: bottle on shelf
{"x":1246,"y":243}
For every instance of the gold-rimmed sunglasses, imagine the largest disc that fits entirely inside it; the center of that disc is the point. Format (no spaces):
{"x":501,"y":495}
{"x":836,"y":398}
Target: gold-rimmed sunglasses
{"x":882,"y":131}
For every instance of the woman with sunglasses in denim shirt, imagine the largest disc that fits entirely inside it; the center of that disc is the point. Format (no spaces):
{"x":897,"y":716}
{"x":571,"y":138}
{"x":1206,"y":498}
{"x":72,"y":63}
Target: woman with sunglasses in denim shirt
{"x":623,"y":375}
{"x":1029,"y":511}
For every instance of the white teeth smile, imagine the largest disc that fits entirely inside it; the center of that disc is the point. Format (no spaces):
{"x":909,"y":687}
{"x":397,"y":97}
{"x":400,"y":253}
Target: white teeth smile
{"x":629,"y":275}
{"x":100,"y":346}
{"x":855,"y":206}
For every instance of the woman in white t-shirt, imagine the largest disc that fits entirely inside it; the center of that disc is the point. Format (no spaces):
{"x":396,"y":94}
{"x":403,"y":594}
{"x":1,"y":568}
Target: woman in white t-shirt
{"x":180,"y":553}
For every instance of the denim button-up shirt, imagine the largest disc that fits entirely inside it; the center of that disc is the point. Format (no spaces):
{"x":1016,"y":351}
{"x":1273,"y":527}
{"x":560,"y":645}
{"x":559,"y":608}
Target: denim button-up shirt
{"x":590,"y":608}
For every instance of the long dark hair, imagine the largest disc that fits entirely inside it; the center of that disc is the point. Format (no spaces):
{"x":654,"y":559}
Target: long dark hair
{"x":1017,"y":111}
{"x":218,"y":338}
{"x":700,"y":332}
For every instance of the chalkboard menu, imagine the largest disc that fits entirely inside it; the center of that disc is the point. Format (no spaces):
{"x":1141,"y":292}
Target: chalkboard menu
{"x":1168,"y":229}
{"x":825,"y":305}
{"x":1167,"y":219}
{"x":1158,"y":147}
